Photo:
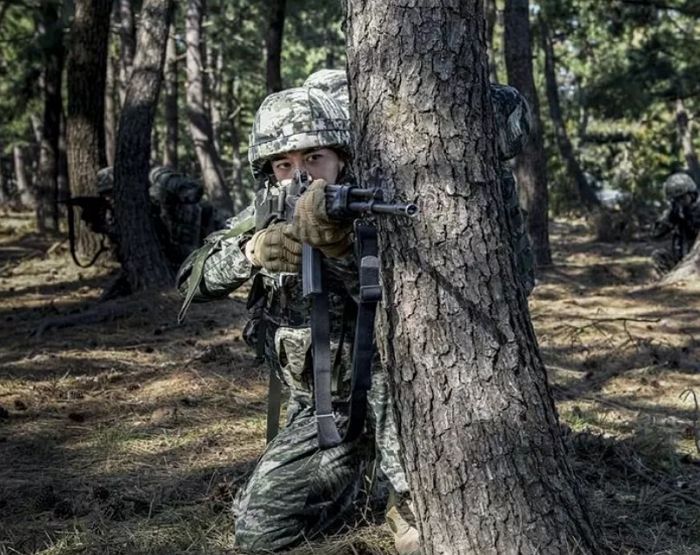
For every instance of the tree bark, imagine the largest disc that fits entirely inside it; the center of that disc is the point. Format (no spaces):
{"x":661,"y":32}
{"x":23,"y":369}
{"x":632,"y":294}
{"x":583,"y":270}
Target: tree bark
{"x":24,"y":189}
{"x":216,"y":68}
{"x":233,"y":117}
{"x":685,"y":135}
{"x":491,"y":11}
{"x":87,"y":77}
{"x":141,"y":254}
{"x":46,"y":184}
{"x":587,"y":196}
{"x":110,"y":110}
{"x":531,"y":164}
{"x":198,"y":115}
{"x":127,"y":34}
{"x":273,"y":45}
{"x":170,"y":101}
{"x":477,"y":423}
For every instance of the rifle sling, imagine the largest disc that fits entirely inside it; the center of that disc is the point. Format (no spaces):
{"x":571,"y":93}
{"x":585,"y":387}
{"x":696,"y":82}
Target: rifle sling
{"x":363,"y":348}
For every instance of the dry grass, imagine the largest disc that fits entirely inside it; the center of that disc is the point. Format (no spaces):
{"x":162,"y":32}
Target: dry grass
{"x":132,"y":435}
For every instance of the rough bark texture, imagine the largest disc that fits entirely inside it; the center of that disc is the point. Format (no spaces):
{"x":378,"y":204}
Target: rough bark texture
{"x":478,"y":427}
{"x":685,"y":136}
{"x":127,"y":35}
{"x":110,"y":110}
{"x":491,"y":12}
{"x":587,"y":196}
{"x":170,"y":101}
{"x":531,"y":165}
{"x":85,"y":129}
{"x":140,"y":252}
{"x":24,"y":189}
{"x":234,"y":123}
{"x":46,"y":185}
{"x":273,"y":45}
{"x":198,"y":114}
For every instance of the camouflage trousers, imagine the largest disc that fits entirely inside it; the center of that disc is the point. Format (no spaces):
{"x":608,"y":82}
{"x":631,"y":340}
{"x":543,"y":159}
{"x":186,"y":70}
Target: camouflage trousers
{"x":664,"y":260}
{"x":298,"y":491}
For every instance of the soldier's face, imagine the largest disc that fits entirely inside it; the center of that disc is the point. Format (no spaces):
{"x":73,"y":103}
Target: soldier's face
{"x":319,"y":163}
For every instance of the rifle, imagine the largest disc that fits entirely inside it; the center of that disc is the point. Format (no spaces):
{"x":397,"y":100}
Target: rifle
{"x":94,"y":213}
{"x":343,"y":202}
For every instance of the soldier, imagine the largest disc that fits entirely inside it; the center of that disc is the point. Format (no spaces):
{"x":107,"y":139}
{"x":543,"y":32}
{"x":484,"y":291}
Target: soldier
{"x":296,"y":491}
{"x":681,"y":219}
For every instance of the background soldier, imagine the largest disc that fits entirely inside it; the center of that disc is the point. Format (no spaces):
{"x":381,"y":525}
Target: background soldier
{"x":681,"y":220}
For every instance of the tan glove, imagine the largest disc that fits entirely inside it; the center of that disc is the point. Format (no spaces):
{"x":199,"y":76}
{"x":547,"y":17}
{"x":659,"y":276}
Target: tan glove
{"x":275,"y":248}
{"x":313,"y":226}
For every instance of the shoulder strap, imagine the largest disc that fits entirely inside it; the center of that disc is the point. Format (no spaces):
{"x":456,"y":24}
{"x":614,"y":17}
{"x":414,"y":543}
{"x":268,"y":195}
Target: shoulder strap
{"x":245,"y":225}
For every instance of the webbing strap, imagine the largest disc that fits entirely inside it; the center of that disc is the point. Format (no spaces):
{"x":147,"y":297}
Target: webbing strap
{"x":363,"y":348}
{"x":245,"y":225}
{"x":328,"y":435}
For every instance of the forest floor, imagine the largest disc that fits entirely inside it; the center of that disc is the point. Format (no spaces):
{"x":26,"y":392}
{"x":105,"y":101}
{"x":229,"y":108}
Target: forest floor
{"x":132,"y":434}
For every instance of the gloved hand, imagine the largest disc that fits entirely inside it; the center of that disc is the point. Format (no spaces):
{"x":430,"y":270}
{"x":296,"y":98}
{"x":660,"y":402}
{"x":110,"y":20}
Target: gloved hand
{"x":275,"y":248}
{"x":312,"y":225}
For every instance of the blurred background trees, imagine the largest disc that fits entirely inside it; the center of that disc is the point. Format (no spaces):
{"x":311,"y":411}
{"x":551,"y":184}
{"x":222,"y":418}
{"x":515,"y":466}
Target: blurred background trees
{"x":617,"y":106}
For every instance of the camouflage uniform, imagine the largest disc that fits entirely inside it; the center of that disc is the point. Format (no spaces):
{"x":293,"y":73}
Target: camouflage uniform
{"x":296,"y":490}
{"x":681,"y":219}
{"x":180,"y":215}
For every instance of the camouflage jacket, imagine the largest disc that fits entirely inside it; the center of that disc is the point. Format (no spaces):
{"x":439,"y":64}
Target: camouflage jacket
{"x":683,"y":221}
{"x":522,"y":248}
{"x":281,"y":316}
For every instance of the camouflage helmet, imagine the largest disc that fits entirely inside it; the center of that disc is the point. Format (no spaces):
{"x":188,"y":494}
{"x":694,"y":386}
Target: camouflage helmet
{"x":513,"y":120}
{"x":333,"y":82}
{"x":678,"y":185}
{"x":296,"y":119}
{"x":105,"y":181}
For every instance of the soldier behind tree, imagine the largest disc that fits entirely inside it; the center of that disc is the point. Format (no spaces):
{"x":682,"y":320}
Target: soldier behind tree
{"x":680,"y":220}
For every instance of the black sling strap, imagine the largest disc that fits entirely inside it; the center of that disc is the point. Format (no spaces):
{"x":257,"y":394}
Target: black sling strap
{"x":363,"y":348}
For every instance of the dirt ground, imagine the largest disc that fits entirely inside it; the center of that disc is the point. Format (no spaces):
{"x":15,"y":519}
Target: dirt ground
{"x":131,"y":435}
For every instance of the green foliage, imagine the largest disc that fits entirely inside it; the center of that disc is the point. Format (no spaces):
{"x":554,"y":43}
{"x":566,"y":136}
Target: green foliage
{"x":620,"y":68}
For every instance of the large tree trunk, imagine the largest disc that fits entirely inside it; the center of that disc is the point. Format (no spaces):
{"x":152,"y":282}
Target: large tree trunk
{"x":477,"y":423}
{"x":141,"y":254}
{"x":170,"y":101}
{"x":273,"y":45}
{"x":46,"y":184}
{"x":86,"y":76}
{"x":685,"y":135}
{"x":127,"y":34}
{"x":587,"y":196}
{"x":198,"y":114}
{"x":24,"y":189}
{"x":531,"y":165}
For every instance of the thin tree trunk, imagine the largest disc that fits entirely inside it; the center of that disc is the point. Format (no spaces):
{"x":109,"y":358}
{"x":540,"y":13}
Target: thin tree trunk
{"x":127,"y":34}
{"x":216,"y":68}
{"x":141,"y":254}
{"x":199,"y":122}
{"x":273,"y":45}
{"x":87,"y":76}
{"x":46,"y":184}
{"x":531,"y":164}
{"x":110,"y":111}
{"x":587,"y":196}
{"x":491,"y":11}
{"x":685,"y":134}
{"x":24,"y":190}
{"x":170,"y":101}
{"x":234,"y":121}
{"x":63,"y":179}
{"x":486,"y":465}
